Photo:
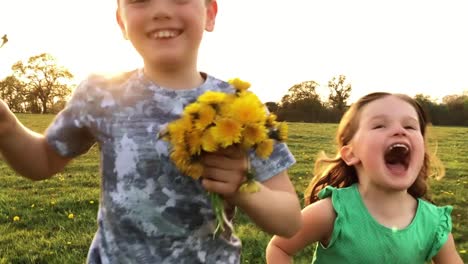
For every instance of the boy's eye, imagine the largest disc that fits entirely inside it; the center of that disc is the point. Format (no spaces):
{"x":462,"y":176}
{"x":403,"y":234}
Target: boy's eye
{"x":136,"y":1}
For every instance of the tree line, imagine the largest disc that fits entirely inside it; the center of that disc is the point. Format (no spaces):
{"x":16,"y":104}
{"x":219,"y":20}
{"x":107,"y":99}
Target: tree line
{"x":302,"y":103}
{"x":41,"y":86}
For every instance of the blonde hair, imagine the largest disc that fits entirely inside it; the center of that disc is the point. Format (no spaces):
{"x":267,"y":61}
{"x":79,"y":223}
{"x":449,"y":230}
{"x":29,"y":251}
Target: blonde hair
{"x":335,"y":172}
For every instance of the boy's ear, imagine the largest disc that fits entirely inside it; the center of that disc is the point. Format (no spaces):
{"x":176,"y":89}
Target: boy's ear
{"x":348,"y":156}
{"x":211,"y":11}
{"x":121,"y":24}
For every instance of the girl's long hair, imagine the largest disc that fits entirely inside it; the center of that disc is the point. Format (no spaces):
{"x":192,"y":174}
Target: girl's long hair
{"x":335,"y":172}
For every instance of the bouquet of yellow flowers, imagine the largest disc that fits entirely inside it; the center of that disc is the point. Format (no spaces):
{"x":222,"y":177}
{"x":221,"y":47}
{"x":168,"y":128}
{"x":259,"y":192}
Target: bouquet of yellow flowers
{"x":218,"y":120}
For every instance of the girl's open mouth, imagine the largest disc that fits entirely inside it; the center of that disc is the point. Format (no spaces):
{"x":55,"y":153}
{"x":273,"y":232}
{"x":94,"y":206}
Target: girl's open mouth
{"x":397,"y":158}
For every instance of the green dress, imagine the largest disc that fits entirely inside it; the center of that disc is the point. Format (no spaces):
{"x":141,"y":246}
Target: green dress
{"x":358,"y":238}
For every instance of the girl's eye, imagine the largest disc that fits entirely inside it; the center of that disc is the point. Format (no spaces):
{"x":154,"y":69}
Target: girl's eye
{"x":410,"y":127}
{"x":135,"y":1}
{"x":378,"y":126}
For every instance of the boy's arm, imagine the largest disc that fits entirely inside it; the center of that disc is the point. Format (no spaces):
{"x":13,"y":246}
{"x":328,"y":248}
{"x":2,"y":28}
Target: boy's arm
{"x":318,"y":219}
{"x":27,"y":152}
{"x":448,"y":253}
{"x":275,"y":208}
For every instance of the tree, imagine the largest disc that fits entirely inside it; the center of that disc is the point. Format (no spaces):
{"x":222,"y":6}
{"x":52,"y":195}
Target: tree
{"x":272,"y":106}
{"x":44,"y":81}
{"x":11,"y":91}
{"x":301,"y":103}
{"x":339,"y":93}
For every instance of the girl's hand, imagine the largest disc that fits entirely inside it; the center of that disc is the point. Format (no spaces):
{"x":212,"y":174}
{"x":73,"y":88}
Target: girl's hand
{"x":224,"y":171}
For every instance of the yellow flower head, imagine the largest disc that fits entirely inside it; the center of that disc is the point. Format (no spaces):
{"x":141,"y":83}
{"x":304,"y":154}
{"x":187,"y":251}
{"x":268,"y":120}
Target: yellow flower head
{"x":192,"y":109}
{"x":253,"y":134}
{"x":271,"y":120}
{"x":180,"y":157}
{"x":250,"y":186}
{"x":209,"y":143}
{"x":212,"y":98}
{"x":16,"y":219}
{"x":194,"y":142}
{"x":265,"y":148}
{"x":239,"y":84}
{"x":206,"y":116}
{"x":71,"y":216}
{"x":194,"y":170}
{"x":178,"y":128}
{"x":248,"y":109}
{"x":227,"y":131}
{"x":283,"y":131}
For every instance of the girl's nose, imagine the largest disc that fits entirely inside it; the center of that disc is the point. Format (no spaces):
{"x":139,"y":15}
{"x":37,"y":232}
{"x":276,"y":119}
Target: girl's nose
{"x":398,"y":130}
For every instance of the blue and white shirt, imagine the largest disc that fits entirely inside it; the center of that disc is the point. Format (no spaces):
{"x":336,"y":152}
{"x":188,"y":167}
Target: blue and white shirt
{"x":149,"y":212}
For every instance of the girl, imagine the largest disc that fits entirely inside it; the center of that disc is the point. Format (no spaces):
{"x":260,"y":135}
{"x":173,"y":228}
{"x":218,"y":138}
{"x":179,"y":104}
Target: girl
{"x":367,"y":204}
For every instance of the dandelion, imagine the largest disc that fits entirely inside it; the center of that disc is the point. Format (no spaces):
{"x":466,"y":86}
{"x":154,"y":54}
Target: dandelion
{"x":91,"y":202}
{"x":220,"y":120}
{"x":33,"y":205}
{"x":265,"y":148}
{"x":71,"y":216}
{"x":212,"y":98}
{"x":239,"y":84}
{"x":16,"y":218}
{"x":227,"y":132}
{"x":462,"y":251}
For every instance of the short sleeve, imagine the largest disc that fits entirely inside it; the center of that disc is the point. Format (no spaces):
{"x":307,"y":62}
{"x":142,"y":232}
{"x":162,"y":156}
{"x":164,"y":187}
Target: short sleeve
{"x":334,"y":194}
{"x":280,"y":159}
{"x":69,"y":132}
{"x":443,"y":229}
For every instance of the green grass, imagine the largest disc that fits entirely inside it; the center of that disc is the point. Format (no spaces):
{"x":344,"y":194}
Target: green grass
{"x":46,"y":234}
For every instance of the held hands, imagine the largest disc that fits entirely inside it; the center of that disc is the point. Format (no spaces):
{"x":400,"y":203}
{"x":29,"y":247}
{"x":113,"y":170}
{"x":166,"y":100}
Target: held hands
{"x":224,"y":171}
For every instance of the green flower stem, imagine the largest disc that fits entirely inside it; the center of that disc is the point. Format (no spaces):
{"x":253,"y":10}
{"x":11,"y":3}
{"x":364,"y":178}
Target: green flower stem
{"x":218,"y":208}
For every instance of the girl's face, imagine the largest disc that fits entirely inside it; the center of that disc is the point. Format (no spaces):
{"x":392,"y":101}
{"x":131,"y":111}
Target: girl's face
{"x":166,"y":33}
{"x":387,"y":149}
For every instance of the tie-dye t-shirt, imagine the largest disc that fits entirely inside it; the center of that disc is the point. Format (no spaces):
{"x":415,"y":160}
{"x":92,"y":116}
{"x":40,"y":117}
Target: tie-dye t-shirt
{"x":149,"y":212}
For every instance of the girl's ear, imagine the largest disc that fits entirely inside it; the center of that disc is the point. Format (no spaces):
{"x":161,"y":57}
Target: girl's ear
{"x":348,"y":155}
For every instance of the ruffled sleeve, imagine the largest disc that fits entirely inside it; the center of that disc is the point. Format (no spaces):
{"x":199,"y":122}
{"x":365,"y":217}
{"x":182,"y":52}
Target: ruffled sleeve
{"x":334,"y":194}
{"x":443,"y":229}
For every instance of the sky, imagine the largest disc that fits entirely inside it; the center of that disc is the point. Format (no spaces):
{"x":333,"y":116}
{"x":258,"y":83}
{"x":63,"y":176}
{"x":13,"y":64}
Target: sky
{"x":402,"y":46}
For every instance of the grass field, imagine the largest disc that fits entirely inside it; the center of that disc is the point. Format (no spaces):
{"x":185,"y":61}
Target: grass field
{"x":56,"y":218}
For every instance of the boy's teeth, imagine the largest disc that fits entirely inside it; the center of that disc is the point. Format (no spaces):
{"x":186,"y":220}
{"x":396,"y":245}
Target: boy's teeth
{"x":164,"y":34}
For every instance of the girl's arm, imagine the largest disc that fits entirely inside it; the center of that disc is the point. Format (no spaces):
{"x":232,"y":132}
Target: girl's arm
{"x":448,"y":253}
{"x":317,"y":225}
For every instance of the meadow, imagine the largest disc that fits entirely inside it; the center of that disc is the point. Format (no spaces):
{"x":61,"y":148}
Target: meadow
{"x":53,"y":221}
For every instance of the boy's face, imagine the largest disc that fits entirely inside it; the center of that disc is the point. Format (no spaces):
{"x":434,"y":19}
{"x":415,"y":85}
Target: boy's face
{"x":166,"y":33}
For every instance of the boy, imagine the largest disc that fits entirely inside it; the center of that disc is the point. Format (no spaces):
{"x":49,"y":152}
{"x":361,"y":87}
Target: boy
{"x":149,"y":212}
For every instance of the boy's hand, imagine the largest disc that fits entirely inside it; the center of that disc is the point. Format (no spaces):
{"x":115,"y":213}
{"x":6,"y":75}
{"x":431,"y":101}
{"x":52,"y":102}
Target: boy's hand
{"x":224,"y":171}
{"x":7,"y":119}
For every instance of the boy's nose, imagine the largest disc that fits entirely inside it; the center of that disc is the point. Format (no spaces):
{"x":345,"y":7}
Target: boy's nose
{"x":161,"y":9}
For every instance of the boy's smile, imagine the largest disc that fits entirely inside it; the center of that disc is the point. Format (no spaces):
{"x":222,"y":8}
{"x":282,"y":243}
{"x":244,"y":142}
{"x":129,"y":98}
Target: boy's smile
{"x":167,"y":34}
